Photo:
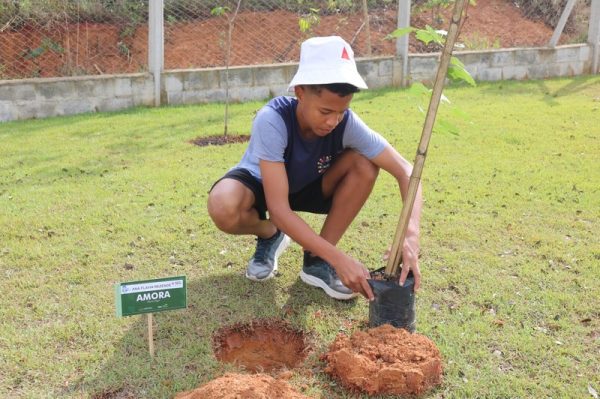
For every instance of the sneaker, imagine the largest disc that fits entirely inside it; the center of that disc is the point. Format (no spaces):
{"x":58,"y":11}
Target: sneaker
{"x":318,"y":273}
{"x":263,"y":264}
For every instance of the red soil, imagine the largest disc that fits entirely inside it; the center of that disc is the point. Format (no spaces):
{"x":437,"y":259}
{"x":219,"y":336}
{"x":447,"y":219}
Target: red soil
{"x":243,"y":386}
{"x":385,"y":360}
{"x":261,"y":345}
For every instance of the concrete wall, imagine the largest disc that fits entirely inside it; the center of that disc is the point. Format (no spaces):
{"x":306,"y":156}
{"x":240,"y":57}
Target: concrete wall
{"x":256,"y":82}
{"x":39,"y":98}
{"x":515,"y":63}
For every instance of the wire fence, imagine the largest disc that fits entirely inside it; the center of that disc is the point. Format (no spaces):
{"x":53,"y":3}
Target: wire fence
{"x":50,"y":38}
{"x":55,"y":38}
{"x":263,"y":32}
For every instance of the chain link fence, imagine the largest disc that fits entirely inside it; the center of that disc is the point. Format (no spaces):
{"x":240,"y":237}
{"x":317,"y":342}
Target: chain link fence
{"x":53,"y":38}
{"x":203,"y":33}
{"x":49,"y":38}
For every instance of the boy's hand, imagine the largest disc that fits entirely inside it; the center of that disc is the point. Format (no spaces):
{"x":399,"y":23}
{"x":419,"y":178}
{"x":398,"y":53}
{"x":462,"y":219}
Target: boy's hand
{"x":354,"y":275}
{"x":410,"y":261}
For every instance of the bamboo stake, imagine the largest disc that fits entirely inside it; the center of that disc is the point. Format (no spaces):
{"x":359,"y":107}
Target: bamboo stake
{"x":395,"y":259}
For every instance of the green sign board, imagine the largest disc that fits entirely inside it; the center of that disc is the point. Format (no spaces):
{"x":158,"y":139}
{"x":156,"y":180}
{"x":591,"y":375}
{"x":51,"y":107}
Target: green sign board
{"x":150,"y":296}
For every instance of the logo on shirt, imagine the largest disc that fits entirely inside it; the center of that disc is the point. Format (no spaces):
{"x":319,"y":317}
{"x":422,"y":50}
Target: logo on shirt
{"x":323,"y":164}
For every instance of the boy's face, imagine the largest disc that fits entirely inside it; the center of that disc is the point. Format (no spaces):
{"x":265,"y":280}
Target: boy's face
{"x":319,"y":112}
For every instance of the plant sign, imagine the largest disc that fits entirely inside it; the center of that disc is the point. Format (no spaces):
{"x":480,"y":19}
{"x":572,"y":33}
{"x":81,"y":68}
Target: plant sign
{"x":149,"y":296}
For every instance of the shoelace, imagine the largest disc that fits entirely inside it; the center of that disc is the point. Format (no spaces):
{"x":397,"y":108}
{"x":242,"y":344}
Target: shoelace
{"x":329,"y":268}
{"x":262,"y":245}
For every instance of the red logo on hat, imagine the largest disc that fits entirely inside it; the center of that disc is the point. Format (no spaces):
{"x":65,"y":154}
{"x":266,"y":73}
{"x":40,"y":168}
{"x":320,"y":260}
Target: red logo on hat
{"x":345,"y":54}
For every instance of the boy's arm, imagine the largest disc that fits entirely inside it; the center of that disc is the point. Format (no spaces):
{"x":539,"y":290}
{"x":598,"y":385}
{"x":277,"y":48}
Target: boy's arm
{"x":275,"y":183}
{"x":391,"y":161}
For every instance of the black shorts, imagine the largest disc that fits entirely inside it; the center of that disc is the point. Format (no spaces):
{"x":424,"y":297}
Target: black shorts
{"x":309,"y":199}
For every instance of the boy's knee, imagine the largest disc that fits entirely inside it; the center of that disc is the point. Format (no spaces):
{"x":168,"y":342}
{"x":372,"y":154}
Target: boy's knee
{"x":365,"y":168}
{"x":224,"y":211}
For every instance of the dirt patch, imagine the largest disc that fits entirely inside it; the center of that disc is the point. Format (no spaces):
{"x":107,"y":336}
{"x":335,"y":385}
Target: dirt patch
{"x":238,"y":386}
{"x":501,"y":20}
{"x":263,"y":345}
{"x":115,"y":394}
{"x":385,"y":360}
{"x":220,"y":140}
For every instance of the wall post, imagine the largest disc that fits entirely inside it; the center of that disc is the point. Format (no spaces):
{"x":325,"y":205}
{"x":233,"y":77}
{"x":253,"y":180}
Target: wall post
{"x":156,"y":56}
{"x":561,"y":23}
{"x":594,"y":35}
{"x":402,"y":42}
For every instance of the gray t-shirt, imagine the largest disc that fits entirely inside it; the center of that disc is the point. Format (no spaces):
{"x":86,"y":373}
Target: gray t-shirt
{"x":275,"y":124}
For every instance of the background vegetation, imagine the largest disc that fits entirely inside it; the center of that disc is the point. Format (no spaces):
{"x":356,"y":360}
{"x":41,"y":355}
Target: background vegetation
{"x":17,"y":13}
{"x":48,"y":11}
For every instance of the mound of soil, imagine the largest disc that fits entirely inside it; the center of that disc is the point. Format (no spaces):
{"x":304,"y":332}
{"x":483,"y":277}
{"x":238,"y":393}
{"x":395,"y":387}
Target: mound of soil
{"x":262,"y":345}
{"x":385,"y":360}
{"x":243,"y":386}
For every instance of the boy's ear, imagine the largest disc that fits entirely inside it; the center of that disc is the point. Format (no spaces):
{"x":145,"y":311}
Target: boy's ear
{"x":299,"y":91}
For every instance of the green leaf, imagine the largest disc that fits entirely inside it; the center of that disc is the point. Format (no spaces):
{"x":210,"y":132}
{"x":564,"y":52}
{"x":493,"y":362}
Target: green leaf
{"x":418,"y":89}
{"x":424,"y":36}
{"x":429,"y":35}
{"x":304,"y":25}
{"x":458,"y":113}
{"x":457,"y":62}
{"x":218,"y":11}
{"x":400,"y":32}
{"x":439,"y":38}
{"x":36,"y":52}
{"x":443,"y":126}
{"x":49,"y":44}
{"x":458,"y":73}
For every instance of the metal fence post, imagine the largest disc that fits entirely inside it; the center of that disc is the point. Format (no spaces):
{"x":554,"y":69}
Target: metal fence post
{"x":594,"y":35}
{"x":561,"y":23}
{"x":156,"y":59}
{"x":402,"y":42}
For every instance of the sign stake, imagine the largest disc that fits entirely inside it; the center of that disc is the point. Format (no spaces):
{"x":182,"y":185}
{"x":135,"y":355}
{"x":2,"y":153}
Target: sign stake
{"x":150,"y":335}
{"x":148,"y":297}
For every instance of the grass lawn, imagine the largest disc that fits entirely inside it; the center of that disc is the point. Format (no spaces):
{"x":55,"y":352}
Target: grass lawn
{"x":510,"y":247}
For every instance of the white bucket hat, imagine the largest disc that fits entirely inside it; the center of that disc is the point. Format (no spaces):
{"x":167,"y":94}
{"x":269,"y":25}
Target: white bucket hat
{"x":324,"y":60}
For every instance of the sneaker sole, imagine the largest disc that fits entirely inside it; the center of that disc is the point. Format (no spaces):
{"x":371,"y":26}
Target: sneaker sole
{"x":282,"y":246}
{"x":317,"y":282}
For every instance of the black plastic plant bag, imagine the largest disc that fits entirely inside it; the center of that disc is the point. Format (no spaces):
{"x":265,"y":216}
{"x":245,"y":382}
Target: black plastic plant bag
{"x":393,"y":304}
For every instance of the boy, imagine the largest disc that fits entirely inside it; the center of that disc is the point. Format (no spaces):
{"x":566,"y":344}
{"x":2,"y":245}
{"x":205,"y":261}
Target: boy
{"x":312,"y":154}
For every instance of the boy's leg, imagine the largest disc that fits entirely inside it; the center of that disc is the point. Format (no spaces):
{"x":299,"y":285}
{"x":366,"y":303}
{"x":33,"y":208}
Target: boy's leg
{"x":231,"y":205}
{"x":349,"y":182}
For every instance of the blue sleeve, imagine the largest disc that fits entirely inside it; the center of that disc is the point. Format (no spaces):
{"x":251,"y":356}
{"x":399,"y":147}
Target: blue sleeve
{"x":269,"y":135}
{"x":268,"y":140}
{"x":362,"y":138}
